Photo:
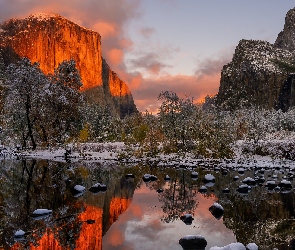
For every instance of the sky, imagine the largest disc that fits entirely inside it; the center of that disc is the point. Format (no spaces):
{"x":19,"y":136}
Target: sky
{"x":159,"y":45}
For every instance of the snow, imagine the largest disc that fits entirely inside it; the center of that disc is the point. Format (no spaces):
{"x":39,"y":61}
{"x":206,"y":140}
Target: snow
{"x":217,"y":205}
{"x":19,"y":233}
{"x":79,"y":188}
{"x":191,"y":237}
{"x":252,"y":246}
{"x":232,"y":246}
{"x":39,"y":212}
{"x":209,"y":177}
{"x":43,"y":16}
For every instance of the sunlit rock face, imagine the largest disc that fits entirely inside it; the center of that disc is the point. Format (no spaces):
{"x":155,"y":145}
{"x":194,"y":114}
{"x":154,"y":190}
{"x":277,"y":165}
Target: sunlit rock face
{"x":51,"y":39}
{"x":254,"y":77}
{"x":91,"y":233}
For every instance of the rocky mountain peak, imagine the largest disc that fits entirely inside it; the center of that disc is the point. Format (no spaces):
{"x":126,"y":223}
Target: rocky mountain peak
{"x":261,"y":73}
{"x":49,"y":39}
{"x":286,"y":38}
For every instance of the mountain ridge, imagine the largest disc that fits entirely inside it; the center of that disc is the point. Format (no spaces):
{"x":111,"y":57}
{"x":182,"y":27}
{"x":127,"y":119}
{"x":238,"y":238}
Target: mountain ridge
{"x":50,"y":39}
{"x":255,"y":76}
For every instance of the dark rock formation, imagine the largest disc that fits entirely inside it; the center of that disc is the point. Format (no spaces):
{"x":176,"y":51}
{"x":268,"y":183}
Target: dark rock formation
{"x":261,"y":73}
{"x":51,"y":39}
{"x":286,"y":38}
{"x":193,"y":242}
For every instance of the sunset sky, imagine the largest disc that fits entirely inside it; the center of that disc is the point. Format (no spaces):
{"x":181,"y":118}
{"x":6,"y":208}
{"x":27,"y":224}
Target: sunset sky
{"x":156,"y":45}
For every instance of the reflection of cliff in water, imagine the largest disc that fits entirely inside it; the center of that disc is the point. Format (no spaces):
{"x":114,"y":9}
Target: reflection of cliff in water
{"x":75,"y":223}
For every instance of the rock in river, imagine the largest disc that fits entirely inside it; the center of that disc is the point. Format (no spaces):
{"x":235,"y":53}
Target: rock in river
{"x":41,"y":213}
{"x":216,"y":210}
{"x":193,"y":242}
{"x":187,"y":219}
{"x":98,"y":187}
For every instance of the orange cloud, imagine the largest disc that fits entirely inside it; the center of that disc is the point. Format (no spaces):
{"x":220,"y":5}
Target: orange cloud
{"x":136,"y":210}
{"x":105,"y":29}
{"x":146,"y":96}
{"x":115,"y":56}
{"x":116,"y":238}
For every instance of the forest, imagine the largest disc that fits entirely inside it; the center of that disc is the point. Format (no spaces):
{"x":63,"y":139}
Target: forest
{"x":41,"y":111}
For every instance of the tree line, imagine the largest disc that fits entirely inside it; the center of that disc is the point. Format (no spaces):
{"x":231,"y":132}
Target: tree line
{"x":39,"y":110}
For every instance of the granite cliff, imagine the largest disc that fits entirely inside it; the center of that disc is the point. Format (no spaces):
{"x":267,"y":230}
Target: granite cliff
{"x":51,"y":39}
{"x":261,"y":73}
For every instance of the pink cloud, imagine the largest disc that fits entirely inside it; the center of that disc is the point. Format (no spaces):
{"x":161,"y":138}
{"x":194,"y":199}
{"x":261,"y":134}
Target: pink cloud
{"x":193,"y":86}
{"x":110,"y":19}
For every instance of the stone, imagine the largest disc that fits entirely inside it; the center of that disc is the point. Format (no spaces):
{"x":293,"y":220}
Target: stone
{"x":217,"y":210}
{"x":203,"y":189}
{"x":167,"y":178}
{"x":78,"y":190}
{"x":129,"y":176}
{"x":194,"y":174}
{"x":209,"y":178}
{"x":19,"y":234}
{"x":41,"y":213}
{"x":255,"y":75}
{"x":51,"y":39}
{"x":193,"y":242}
{"x":249,"y":181}
{"x":232,"y":246}
{"x":251,"y":246}
{"x":187,"y":219}
{"x":98,"y":187}
{"x":244,"y":189}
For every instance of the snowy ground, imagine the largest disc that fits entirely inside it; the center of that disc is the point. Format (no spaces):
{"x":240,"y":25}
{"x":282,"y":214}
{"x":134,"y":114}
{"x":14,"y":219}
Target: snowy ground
{"x":112,"y":152}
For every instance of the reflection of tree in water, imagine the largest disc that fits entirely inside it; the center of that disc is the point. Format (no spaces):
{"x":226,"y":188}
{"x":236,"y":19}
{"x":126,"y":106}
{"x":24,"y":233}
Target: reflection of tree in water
{"x":259,"y":216}
{"x":30,"y":185}
{"x":178,"y":197}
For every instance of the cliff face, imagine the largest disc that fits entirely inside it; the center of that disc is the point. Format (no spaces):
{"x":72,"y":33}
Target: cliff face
{"x":255,"y":75}
{"x":51,"y":39}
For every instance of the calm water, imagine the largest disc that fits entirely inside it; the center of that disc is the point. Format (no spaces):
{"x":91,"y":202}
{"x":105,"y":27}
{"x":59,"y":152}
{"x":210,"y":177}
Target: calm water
{"x":131,"y":214}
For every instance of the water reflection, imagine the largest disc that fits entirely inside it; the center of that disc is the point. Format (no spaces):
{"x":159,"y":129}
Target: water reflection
{"x":131,"y":214}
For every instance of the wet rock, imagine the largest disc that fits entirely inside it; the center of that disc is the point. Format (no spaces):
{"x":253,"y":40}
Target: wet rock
{"x":41,"y":213}
{"x":224,"y":171}
{"x":153,"y":178}
{"x":232,"y":246}
{"x":78,"y":190}
{"x":209,"y":178}
{"x":149,"y":177}
{"x":167,"y":178}
{"x":249,"y":181}
{"x":260,"y":180}
{"x":285,"y":184}
{"x":241,"y":170}
{"x":193,"y":242}
{"x":203,"y":189}
{"x":146,"y":177}
{"x":251,"y":246}
{"x":243,"y":189}
{"x":129,"y":176}
{"x":271,"y":185}
{"x":216,"y":210}
{"x":194,"y":175}
{"x":187,"y":219}
{"x":19,"y":234}
{"x":98,"y":187}
{"x":160,"y":190}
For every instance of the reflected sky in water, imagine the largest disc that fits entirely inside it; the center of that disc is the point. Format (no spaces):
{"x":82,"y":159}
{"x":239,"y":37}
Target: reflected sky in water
{"x":140,"y":227}
{"x":131,"y":214}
